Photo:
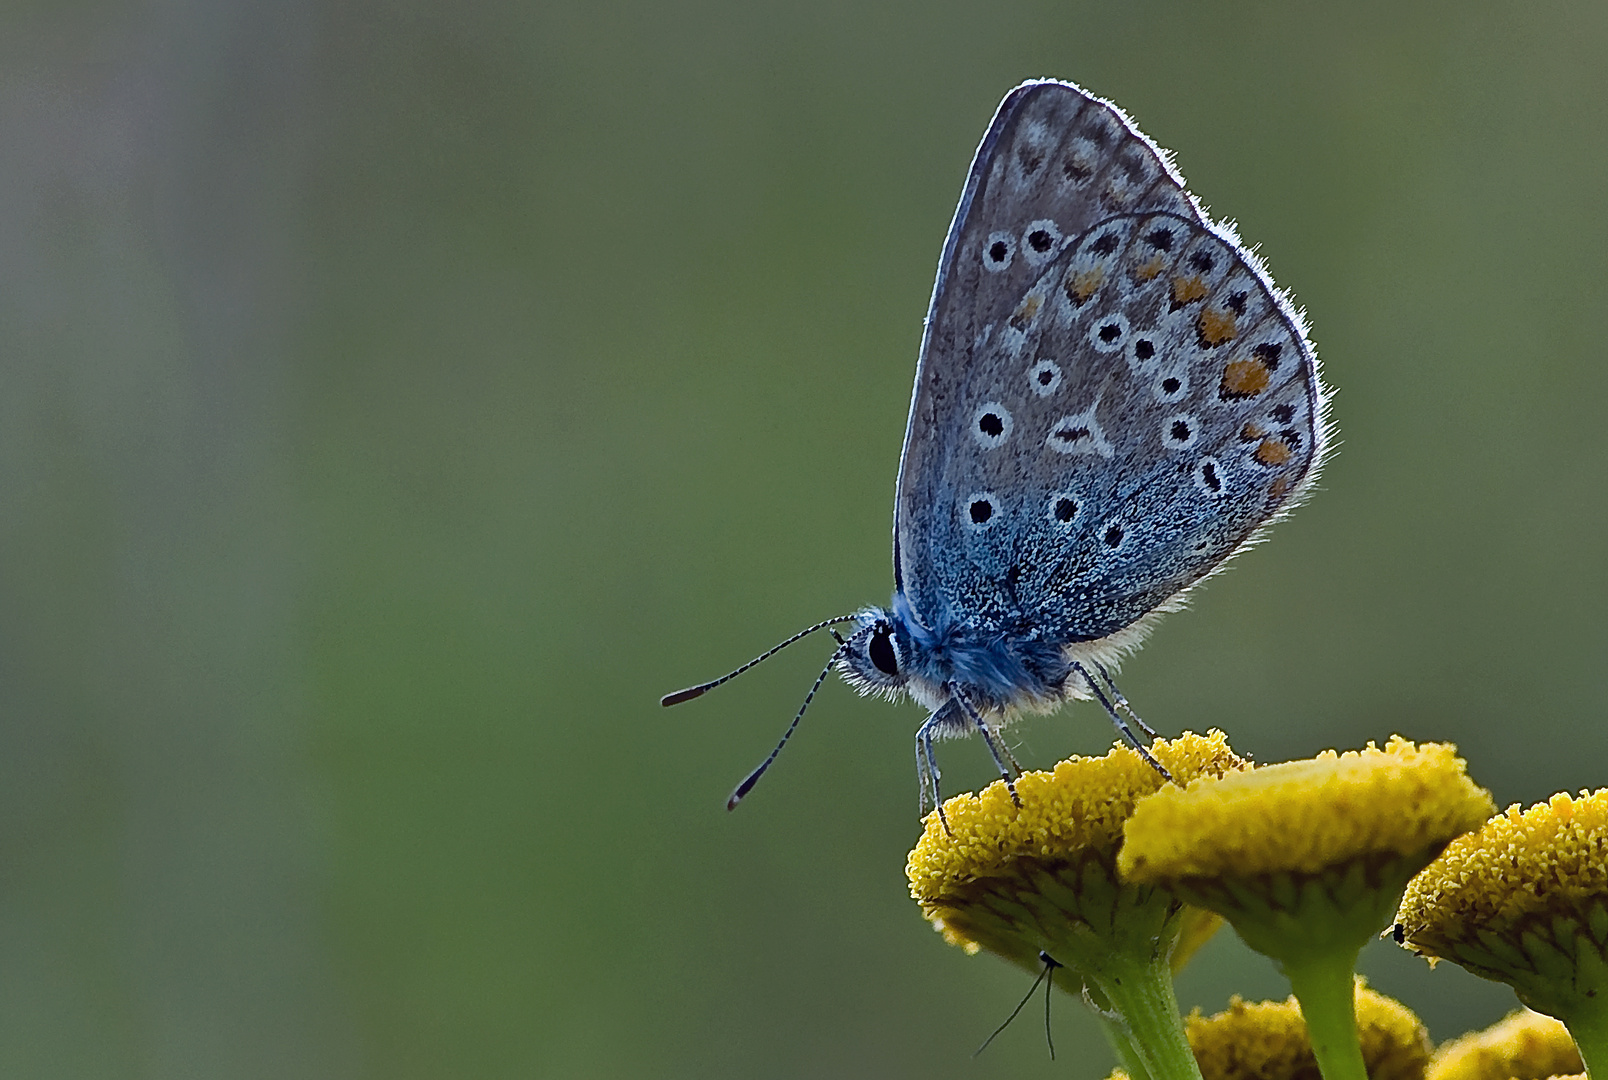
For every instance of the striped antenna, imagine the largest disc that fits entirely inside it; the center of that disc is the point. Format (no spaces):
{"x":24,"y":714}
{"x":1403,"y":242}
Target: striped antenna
{"x":703,"y":688}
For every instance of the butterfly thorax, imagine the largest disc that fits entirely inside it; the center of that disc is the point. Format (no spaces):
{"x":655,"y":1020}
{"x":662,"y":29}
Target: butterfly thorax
{"x":1000,"y":669}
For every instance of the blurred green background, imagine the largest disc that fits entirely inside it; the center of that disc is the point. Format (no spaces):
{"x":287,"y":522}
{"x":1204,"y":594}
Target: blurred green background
{"x":397,"y":398}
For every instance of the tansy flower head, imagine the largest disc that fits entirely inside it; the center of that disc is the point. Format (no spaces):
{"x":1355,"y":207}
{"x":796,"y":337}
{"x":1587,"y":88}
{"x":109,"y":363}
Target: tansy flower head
{"x":1525,"y":901}
{"x":973,"y":879}
{"x":1041,"y":876}
{"x":1307,"y":816}
{"x":1524,"y":1046}
{"x":1307,"y":859}
{"x":1267,"y":1040}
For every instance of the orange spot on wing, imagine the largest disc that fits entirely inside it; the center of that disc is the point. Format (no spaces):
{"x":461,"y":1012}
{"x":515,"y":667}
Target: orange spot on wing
{"x":1082,"y":285}
{"x":1279,"y":487}
{"x":1252,"y":431}
{"x":1186,"y":290}
{"x":1272,"y":452}
{"x":1024,"y":313}
{"x":1216,"y":325}
{"x":1243,"y":379}
{"x":1149,"y":268}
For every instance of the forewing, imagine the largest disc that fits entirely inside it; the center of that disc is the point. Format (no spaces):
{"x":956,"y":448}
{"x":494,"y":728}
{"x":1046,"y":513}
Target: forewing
{"x":1101,"y":423}
{"x":1054,"y":161}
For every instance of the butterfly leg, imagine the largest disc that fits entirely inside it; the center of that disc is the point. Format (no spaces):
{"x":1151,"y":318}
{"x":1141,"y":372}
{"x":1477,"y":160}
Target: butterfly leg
{"x":927,"y":767}
{"x":991,"y":739}
{"x":1122,"y":725}
{"x":1122,"y":702}
{"x":1016,"y":766}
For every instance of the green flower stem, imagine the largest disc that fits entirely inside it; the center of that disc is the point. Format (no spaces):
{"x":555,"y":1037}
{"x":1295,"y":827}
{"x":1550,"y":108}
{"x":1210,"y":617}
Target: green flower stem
{"x":1122,"y":1046}
{"x":1142,"y":1021}
{"x":1589,"y":1029}
{"x":1325,"y":986}
{"x":1120,"y":945}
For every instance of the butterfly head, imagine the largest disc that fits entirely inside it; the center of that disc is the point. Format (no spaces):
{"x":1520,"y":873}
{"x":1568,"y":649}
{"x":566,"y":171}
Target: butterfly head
{"x":874,"y":658}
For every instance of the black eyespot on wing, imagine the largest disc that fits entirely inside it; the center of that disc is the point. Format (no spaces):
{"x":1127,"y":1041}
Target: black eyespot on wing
{"x":1113,"y":535}
{"x":1065,"y":510}
{"x":1110,"y":332}
{"x":1104,"y":245}
{"x":1236,"y":303}
{"x":1179,"y":431}
{"x":980,"y":510}
{"x":1201,"y":261}
{"x":1144,"y":349}
{"x":1170,"y":384}
{"x":997,"y":251}
{"x":880,"y":650}
{"x":1284,"y":413}
{"x":1040,"y":240}
{"x":1075,"y":170}
{"x":1046,"y":377}
{"x":1160,"y":238}
{"x":1268,"y":353}
{"x":990,"y":425}
{"x":1208,"y":475}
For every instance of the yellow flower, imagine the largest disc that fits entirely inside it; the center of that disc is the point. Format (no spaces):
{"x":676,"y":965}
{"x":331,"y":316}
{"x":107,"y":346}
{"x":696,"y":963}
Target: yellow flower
{"x":1018,"y":880}
{"x":1525,"y":901}
{"x":1268,"y":1040}
{"x":1307,"y":859}
{"x":1524,"y":1046}
{"x":1077,"y":809}
{"x":1307,"y":816}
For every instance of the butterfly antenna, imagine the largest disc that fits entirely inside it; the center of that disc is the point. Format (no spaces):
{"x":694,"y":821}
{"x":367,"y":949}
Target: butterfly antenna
{"x":1050,"y":964}
{"x":753,"y":778}
{"x":703,"y":688}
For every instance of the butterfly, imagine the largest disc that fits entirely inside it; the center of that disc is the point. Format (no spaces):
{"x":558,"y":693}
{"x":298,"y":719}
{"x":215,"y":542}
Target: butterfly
{"x":1112,"y":399}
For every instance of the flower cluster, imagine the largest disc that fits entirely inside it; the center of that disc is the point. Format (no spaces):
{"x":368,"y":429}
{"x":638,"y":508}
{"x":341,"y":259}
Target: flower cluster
{"x":1269,"y":1039}
{"x":1117,"y":875}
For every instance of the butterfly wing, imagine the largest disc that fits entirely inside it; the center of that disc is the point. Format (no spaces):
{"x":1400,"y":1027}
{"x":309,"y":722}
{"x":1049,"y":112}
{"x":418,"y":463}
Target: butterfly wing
{"x":1101,"y":369}
{"x":1187,"y":414}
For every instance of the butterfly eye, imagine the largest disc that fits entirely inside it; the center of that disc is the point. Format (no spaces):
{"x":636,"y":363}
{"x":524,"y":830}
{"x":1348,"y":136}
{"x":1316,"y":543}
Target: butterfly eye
{"x":880,"y":650}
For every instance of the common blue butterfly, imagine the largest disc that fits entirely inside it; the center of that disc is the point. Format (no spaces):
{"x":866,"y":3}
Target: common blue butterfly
{"x":1112,"y":398}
